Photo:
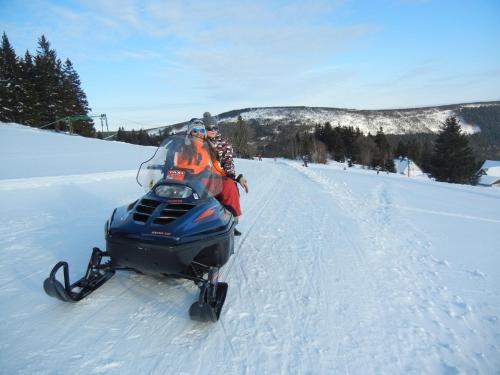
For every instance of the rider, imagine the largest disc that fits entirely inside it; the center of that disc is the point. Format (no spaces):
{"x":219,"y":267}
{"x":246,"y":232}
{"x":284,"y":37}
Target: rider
{"x":198,"y":158}
{"x":225,"y":156}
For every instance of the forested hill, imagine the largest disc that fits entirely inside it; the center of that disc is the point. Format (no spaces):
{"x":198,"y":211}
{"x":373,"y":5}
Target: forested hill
{"x":473,"y":116}
{"x":480,"y":120}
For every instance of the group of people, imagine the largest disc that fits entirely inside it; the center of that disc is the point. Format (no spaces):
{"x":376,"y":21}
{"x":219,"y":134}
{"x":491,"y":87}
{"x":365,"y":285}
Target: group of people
{"x":207,"y":128}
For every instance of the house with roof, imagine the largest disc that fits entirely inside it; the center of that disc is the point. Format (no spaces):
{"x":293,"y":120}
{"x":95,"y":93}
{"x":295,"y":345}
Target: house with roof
{"x":489,"y":174}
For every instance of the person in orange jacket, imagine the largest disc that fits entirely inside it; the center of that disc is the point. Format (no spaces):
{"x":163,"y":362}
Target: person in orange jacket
{"x":227,"y":193}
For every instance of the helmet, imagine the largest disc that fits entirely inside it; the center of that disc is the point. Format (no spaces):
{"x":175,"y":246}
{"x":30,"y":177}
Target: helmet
{"x":195,"y":123}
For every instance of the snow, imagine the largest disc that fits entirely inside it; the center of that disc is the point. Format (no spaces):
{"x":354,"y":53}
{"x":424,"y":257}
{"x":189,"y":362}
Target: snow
{"x":337,"y":271}
{"x":31,"y":152}
{"x":491,"y":164}
{"x":491,"y":167}
{"x":418,"y":120}
{"x":488,"y":180}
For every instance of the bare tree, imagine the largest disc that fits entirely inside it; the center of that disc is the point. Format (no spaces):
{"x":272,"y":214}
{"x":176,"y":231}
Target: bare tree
{"x":367,"y":149}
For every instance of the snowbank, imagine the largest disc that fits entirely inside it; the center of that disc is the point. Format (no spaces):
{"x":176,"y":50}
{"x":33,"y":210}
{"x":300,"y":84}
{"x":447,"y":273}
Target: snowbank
{"x":31,"y":152}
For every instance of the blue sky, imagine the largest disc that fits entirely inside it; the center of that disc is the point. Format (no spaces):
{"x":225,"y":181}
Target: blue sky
{"x":150,"y":63}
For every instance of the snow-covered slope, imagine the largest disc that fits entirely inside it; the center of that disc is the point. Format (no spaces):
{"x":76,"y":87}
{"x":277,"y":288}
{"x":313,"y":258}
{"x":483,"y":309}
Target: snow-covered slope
{"x":336,"y":272}
{"x":31,"y":152}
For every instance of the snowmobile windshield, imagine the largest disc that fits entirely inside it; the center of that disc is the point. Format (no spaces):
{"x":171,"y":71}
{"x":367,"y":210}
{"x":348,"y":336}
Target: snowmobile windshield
{"x":182,"y":161}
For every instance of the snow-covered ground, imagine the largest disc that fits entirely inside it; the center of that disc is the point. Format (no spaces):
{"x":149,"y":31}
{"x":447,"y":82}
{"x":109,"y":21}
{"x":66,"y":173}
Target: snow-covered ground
{"x":338,"y":271}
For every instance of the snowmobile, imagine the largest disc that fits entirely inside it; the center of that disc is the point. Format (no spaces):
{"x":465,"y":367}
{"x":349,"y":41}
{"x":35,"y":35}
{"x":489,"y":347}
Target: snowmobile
{"x":177,"y":229}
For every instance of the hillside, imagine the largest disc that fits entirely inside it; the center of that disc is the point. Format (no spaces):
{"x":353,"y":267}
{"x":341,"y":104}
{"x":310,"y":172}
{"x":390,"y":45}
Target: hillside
{"x":31,"y":152}
{"x":338,"y":271}
{"x":393,"y":121}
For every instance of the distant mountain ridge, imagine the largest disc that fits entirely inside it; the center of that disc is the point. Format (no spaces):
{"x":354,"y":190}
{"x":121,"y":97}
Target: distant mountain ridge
{"x":393,"y":121}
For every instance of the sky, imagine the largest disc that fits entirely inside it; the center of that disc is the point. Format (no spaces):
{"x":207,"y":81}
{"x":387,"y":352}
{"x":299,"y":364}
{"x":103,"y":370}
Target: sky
{"x":151,"y":63}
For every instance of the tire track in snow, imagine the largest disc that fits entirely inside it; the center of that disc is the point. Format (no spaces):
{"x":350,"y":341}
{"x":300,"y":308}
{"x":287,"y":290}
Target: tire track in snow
{"x":408,"y":263}
{"x":371,"y":222}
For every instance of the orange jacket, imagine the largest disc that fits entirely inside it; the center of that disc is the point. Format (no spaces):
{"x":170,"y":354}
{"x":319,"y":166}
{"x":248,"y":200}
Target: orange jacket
{"x":198,"y":158}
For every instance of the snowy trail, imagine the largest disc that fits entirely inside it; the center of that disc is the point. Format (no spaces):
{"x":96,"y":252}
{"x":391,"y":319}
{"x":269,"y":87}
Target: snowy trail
{"x":322,"y":281}
{"x":433,"y":322}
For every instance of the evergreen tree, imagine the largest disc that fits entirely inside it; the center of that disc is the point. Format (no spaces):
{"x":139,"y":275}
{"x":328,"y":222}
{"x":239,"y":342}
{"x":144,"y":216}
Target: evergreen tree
{"x":383,"y":152}
{"x":452,"y":159}
{"x":120,"y":134}
{"x":401,"y":149}
{"x":337,"y":144}
{"x":389,"y":165}
{"x":74,"y":101}
{"x":10,"y":85}
{"x":47,"y":82}
{"x":40,"y":90}
{"x":414,"y":152}
{"x":425,"y":158}
{"x":348,"y":139}
{"x":30,"y":96}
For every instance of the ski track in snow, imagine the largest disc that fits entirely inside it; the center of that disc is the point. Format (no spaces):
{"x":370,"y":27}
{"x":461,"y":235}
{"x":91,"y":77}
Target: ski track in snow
{"x":439,"y":324}
{"x":319,"y":284}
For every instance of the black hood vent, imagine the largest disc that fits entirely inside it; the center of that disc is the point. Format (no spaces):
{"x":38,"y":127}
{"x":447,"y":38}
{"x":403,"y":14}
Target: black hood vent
{"x":145,"y":209}
{"x":172,"y":212}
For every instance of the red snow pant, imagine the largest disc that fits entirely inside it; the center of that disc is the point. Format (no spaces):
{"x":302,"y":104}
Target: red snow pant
{"x":229,"y":197}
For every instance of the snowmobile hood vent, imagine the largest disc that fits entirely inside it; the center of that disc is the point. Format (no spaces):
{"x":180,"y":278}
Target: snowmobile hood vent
{"x":172,"y":212}
{"x":145,"y":209}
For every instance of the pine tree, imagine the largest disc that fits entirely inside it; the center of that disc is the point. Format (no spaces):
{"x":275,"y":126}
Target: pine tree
{"x":401,"y":149}
{"x":425,"y":159}
{"x":10,"y":84}
{"x":337,"y":144}
{"x":383,"y":152}
{"x":47,"y":82}
{"x":389,"y":165}
{"x":452,"y":159}
{"x":74,"y":101}
{"x":120,"y":135}
{"x":29,"y":94}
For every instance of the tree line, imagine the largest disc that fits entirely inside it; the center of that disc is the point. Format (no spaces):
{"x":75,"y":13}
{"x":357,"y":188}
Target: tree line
{"x":39,"y":89}
{"x":140,"y":137}
{"x":446,"y":156}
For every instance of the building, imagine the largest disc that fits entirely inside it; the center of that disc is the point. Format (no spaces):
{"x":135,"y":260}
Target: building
{"x":407,"y":167}
{"x":489,"y":174}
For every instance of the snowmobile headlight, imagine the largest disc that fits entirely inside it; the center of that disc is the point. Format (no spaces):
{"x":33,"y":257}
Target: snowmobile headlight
{"x":173,"y":191}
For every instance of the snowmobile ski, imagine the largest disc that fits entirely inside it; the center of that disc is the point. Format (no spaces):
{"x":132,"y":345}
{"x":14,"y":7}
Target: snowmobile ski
{"x":97,"y":274}
{"x":212,"y":297}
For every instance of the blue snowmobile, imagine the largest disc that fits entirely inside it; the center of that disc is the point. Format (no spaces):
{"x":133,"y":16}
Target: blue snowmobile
{"x":177,"y":229}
